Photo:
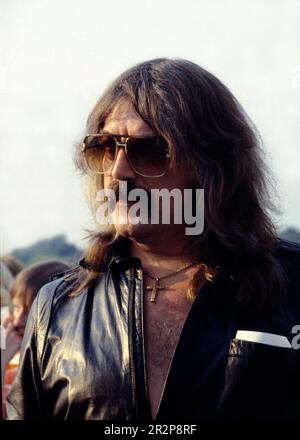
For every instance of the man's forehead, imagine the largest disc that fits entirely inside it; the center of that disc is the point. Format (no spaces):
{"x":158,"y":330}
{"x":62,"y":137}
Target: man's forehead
{"x":124,"y":116}
{"x":122,"y":110}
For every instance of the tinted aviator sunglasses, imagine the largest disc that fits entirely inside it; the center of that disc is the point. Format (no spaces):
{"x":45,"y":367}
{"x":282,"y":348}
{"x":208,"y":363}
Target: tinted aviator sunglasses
{"x":148,"y":156}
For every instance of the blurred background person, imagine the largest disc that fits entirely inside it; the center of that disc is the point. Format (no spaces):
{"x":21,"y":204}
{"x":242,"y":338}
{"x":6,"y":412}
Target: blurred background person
{"x":22,"y":294}
{"x":12,"y":263}
{"x":6,"y":280}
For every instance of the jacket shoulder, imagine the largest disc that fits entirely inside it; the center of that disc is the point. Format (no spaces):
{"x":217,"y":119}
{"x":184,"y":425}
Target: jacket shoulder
{"x":47,"y":297}
{"x":289,"y":257}
{"x":60,"y":283}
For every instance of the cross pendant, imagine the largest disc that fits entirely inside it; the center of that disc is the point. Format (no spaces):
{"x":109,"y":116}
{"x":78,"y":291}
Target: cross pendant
{"x":154,"y":289}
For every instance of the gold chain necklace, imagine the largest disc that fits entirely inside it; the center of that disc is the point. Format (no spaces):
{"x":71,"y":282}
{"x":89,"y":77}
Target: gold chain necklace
{"x":156,"y":286}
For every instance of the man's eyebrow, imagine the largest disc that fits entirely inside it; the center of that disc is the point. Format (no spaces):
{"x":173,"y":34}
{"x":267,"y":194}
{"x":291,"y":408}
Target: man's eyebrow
{"x":150,"y":135}
{"x":111,"y":134}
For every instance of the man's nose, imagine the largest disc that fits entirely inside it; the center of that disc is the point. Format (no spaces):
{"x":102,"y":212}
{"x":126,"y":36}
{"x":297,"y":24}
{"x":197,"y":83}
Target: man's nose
{"x":122,"y":169}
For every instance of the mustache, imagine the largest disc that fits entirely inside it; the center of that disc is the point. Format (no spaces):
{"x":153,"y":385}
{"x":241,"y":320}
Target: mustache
{"x":115,"y":186}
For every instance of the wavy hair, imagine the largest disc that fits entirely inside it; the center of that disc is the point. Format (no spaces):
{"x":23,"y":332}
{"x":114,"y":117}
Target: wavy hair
{"x":206,"y":128}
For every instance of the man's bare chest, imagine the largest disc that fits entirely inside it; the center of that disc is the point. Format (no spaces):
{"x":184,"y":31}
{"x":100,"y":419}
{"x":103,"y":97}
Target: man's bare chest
{"x":162,"y":329}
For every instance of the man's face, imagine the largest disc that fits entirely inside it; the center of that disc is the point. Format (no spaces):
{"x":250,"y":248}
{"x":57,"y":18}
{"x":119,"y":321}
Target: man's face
{"x":124,"y":120}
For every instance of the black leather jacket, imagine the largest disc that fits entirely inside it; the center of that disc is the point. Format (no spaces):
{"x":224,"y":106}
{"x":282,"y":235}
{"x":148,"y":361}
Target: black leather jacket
{"x":84,"y":358}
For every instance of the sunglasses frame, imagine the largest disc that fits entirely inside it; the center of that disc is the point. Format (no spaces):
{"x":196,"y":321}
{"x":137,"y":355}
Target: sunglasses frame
{"x":123,"y":145}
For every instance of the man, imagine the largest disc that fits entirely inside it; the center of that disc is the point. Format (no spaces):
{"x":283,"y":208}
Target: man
{"x":147,"y":326}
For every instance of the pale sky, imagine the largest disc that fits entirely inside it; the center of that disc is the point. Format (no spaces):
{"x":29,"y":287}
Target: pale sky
{"x":57,"y":56}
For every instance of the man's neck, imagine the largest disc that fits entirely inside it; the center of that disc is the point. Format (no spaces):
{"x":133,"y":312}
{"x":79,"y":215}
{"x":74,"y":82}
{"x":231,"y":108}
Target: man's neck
{"x":159,"y":260}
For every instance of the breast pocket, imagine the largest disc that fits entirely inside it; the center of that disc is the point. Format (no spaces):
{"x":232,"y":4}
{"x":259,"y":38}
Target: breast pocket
{"x":260,"y":382}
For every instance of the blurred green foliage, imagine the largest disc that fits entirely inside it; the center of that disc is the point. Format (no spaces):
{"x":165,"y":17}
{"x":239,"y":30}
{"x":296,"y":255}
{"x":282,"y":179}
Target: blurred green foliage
{"x":291,"y":234}
{"x":56,"y":247}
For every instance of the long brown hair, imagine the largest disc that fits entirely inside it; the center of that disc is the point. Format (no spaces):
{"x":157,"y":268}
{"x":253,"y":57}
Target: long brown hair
{"x":30,"y":279}
{"x":207,"y":129}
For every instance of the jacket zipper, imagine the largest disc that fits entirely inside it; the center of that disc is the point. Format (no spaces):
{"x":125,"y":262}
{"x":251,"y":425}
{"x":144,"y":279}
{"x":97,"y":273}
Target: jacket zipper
{"x":145,"y":389}
{"x":130,"y":339}
{"x":143,"y":392}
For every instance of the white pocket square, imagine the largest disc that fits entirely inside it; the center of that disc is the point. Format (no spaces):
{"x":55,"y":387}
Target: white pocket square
{"x":263,"y":338}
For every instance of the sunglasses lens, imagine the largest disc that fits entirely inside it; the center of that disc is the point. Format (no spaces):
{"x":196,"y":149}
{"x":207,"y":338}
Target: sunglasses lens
{"x":148,"y":156}
{"x":99,"y":152}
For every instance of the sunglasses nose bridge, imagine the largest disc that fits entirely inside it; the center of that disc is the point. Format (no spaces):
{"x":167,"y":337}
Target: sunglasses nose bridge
{"x":120,"y":144}
{"x":121,"y":167}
